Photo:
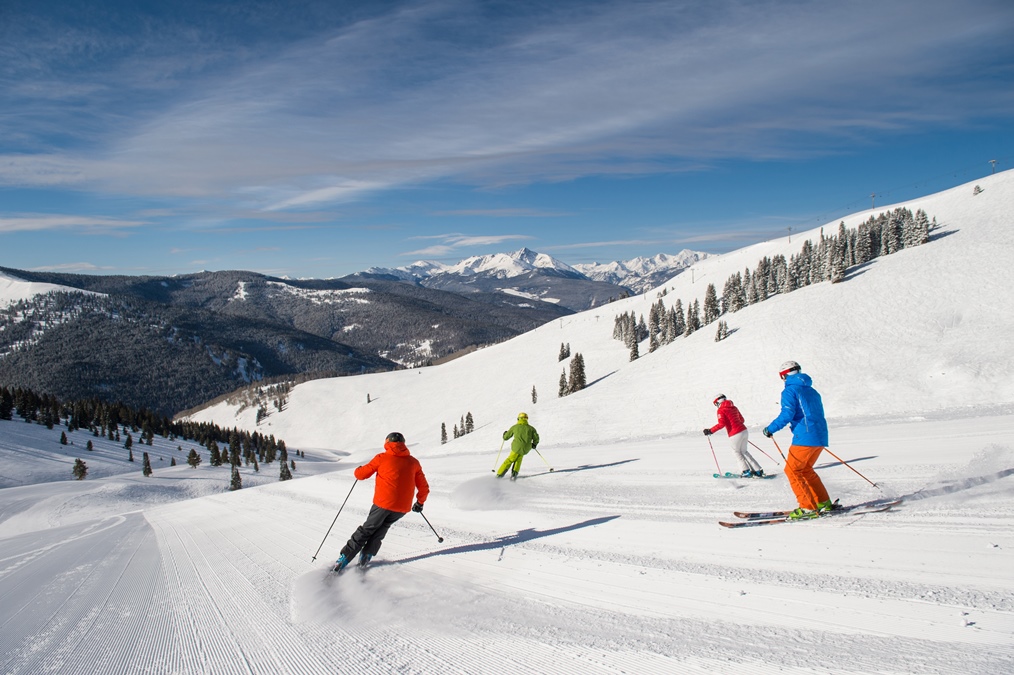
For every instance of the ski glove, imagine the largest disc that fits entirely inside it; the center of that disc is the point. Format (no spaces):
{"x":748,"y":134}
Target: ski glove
{"x":417,"y":507}
{"x":708,"y":432}
{"x":534,"y":445}
{"x":766,"y":432}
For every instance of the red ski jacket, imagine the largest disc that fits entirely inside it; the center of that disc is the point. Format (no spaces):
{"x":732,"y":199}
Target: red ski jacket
{"x":730,"y":418}
{"x":399,"y":475}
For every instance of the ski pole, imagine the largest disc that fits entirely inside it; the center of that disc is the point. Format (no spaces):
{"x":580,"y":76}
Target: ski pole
{"x":335,"y":520}
{"x":714,"y":455}
{"x":543,"y":458}
{"x":850,"y":466}
{"x":762,"y":452}
{"x":498,"y":455}
{"x":439,"y":538}
{"x":779,"y":448}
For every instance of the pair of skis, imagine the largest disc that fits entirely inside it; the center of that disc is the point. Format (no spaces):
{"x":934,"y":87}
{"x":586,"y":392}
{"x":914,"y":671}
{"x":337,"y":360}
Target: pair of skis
{"x":758,"y":518}
{"x":728,"y":474}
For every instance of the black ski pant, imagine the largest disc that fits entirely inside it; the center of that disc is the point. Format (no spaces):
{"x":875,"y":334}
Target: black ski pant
{"x":368,"y":537}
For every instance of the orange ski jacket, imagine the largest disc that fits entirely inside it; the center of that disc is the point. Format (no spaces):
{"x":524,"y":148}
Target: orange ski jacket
{"x":399,"y":476}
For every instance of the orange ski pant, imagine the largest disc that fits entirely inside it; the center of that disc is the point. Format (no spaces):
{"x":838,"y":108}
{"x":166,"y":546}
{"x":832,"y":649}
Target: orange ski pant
{"x":805,"y":482}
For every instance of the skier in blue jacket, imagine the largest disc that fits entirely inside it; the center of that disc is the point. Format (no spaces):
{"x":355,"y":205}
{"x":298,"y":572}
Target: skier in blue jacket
{"x":803,"y":411}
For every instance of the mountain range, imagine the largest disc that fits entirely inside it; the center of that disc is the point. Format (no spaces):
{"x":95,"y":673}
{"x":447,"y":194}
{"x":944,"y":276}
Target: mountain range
{"x":539,"y":276}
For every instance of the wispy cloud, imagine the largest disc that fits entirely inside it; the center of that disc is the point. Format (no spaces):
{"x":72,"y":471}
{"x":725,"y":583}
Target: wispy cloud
{"x":454,"y":242}
{"x":505,"y":213}
{"x":443,"y":90}
{"x":81,"y":224}
{"x":73,"y":267}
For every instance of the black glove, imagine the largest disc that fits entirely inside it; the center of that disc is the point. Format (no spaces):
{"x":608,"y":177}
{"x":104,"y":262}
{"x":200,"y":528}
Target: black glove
{"x":534,"y":445}
{"x":708,"y":432}
{"x":766,"y":432}
{"x":417,"y":507}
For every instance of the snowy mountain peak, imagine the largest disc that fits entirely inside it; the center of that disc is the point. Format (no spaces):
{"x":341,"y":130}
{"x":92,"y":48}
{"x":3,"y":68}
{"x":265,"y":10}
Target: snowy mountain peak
{"x":642,"y":274}
{"x":513,"y":264}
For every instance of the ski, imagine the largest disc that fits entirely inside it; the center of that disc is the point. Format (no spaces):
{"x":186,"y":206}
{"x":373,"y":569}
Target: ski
{"x":738,"y":475}
{"x":754,"y":519}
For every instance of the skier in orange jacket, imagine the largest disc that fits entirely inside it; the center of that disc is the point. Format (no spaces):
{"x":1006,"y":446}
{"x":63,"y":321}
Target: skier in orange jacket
{"x":399,"y":478}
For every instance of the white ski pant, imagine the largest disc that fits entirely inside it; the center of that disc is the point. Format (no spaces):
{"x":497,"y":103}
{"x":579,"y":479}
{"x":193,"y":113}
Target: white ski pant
{"x":746,"y":461}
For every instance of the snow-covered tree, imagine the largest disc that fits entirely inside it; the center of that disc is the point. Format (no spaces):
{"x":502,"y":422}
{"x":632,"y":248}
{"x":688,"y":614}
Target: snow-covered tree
{"x":577,"y":380}
{"x":235,"y":483}
{"x":443,"y":434}
{"x":711,"y":309}
{"x":562,"y":391}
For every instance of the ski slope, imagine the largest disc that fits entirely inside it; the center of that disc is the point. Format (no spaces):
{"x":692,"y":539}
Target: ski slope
{"x":614,"y":561}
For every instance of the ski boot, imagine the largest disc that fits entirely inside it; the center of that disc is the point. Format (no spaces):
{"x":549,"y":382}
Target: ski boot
{"x":514,"y":475}
{"x":757,"y":474}
{"x":803,"y":514}
{"x":340,"y":564}
{"x":747,"y":474}
{"x":828,"y":506}
{"x":364,"y":560}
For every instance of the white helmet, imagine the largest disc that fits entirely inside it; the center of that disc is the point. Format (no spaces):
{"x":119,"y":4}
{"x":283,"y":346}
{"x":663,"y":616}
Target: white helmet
{"x":788,"y":367}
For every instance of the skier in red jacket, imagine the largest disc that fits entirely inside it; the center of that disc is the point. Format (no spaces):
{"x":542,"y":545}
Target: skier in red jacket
{"x":399,"y":477}
{"x":731,"y":420}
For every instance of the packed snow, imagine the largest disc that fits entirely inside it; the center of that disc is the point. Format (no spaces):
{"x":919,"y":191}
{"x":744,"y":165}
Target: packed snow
{"x":606,"y":555}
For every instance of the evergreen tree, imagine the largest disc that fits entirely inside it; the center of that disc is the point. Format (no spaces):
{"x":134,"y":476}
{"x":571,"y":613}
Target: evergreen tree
{"x":89,"y":446}
{"x":146,"y":466}
{"x":173,"y":462}
{"x":193,"y":459}
{"x":130,"y":455}
{"x":535,"y":395}
{"x":456,"y":432}
{"x":443,"y":435}
{"x":679,"y":326}
{"x":63,"y":438}
{"x":469,"y":423}
{"x":214,"y":456}
{"x":634,"y":353}
{"x":723,"y":331}
{"x":129,"y":442}
{"x":80,"y":469}
{"x":577,"y":380}
{"x":292,"y":464}
{"x":285,"y":474}
{"x":236,"y":483}
{"x":562,"y":391}
{"x":711,"y":309}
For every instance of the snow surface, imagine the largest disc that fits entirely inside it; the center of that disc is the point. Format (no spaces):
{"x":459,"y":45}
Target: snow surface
{"x":13,"y":289}
{"x":614,"y":561}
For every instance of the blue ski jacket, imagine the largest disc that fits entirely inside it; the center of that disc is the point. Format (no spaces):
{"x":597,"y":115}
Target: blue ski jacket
{"x":803,"y":411}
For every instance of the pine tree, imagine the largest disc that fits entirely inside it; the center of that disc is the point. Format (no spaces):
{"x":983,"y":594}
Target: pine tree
{"x":89,"y":446}
{"x":284,"y":474}
{"x":193,"y":459}
{"x":292,"y":464}
{"x":173,"y":462}
{"x":563,"y":385}
{"x":128,"y":442}
{"x":711,"y":309}
{"x":577,"y":380}
{"x":130,"y":455}
{"x":443,"y":434}
{"x":535,"y":395}
{"x":236,"y":483}
{"x":215,"y":457}
{"x":723,"y":331}
{"x":146,"y":467}
{"x":634,"y":353}
{"x":63,"y":438}
{"x":80,"y":469}
{"x":469,"y":423}
{"x":456,"y":432}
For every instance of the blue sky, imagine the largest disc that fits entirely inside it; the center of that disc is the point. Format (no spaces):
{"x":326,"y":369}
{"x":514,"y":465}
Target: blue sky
{"x":316,"y":139}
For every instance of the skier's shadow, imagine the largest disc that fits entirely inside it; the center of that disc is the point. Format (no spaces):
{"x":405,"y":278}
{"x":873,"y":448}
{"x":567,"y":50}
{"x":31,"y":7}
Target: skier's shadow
{"x":520,"y":537}
{"x":583,"y":467}
{"x":832,"y":464}
{"x":958,"y":485}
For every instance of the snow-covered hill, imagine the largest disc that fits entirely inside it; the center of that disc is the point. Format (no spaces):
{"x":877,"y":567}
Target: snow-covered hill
{"x":13,"y":289}
{"x":613,"y":561}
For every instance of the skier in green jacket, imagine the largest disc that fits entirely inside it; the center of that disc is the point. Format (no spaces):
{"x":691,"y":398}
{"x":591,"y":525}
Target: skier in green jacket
{"x":525,"y":439}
